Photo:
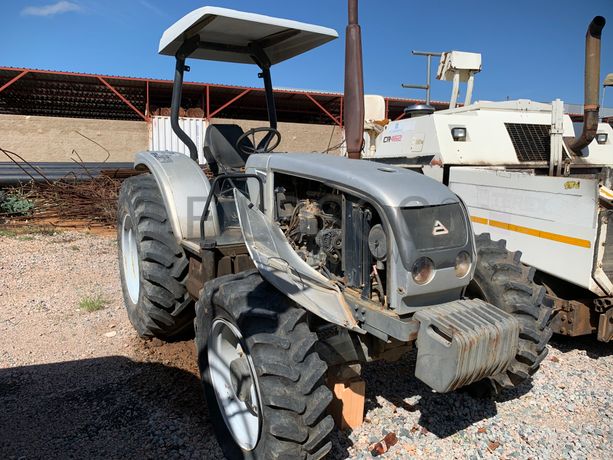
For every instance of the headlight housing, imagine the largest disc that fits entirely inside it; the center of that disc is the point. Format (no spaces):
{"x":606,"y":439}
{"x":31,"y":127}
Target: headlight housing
{"x":458,"y":134}
{"x":601,"y":138}
{"x":423,"y":270}
{"x":462,"y":264}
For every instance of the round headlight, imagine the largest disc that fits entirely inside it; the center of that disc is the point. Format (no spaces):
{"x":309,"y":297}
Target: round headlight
{"x":462,"y":264}
{"x":423,"y":270}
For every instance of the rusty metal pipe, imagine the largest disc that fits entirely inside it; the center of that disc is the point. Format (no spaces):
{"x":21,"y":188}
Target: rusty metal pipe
{"x":353,"y":112}
{"x":592,"y":85}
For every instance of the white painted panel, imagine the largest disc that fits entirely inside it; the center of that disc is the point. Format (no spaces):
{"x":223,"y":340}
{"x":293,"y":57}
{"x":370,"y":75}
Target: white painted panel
{"x":487,"y":139}
{"x":164,"y":139}
{"x":231,"y":27}
{"x":563,"y":206}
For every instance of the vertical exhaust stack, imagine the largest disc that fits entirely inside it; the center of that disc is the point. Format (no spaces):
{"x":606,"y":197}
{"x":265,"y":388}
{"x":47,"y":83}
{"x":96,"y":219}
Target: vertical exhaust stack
{"x":592,"y":85}
{"x":353,"y":113}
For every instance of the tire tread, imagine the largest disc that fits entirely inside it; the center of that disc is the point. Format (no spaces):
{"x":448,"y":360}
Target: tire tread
{"x":508,"y":284}
{"x":290,"y":372}
{"x":165,"y":309}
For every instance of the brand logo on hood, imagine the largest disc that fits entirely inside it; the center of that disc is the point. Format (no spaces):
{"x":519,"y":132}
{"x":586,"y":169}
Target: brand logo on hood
{"x":439,"y":229}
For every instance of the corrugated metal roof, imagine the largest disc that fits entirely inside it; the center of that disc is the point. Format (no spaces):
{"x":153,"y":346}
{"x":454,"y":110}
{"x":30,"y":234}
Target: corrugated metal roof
{"x":74,"y":94}
{"x":7,"y":71}
{"x":201,"y":83}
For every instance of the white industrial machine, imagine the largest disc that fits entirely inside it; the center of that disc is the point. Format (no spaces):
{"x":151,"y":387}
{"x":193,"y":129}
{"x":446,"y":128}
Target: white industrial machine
{"x":528,"y":178}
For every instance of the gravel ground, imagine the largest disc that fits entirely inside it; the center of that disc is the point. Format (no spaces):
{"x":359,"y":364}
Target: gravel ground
{"x":76,"y":384}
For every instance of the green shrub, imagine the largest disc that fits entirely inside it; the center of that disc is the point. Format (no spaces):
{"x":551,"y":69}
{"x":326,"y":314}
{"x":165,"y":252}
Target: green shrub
{"x":15,"y":204}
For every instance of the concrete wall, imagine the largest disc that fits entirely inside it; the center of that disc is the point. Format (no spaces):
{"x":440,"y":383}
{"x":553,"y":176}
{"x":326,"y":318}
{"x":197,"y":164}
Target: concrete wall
{"x":54,"y":138}
{"x":297,"y":137}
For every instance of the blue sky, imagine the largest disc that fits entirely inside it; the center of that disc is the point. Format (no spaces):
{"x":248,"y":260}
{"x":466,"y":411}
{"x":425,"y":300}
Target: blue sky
{"x":531,"y":49}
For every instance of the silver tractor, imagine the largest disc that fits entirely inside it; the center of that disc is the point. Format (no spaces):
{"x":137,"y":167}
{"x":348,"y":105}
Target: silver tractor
{"x":299,"y":265}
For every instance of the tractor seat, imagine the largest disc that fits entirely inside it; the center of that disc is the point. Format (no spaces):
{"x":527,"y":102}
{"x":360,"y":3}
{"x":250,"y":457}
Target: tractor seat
{"x":219,"y":148}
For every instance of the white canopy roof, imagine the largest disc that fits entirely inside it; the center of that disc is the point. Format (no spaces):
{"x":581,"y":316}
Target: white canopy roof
{"x":223,"y":26}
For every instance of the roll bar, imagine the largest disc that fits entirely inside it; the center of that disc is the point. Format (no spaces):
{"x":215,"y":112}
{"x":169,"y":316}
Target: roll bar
{"x":255,"y":50}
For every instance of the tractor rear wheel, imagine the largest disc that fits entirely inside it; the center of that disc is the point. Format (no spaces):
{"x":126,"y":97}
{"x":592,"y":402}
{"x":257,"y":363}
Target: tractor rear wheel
{"x":153,"y":266}
{"x":503,"y":281}
{"x":263,"y":380}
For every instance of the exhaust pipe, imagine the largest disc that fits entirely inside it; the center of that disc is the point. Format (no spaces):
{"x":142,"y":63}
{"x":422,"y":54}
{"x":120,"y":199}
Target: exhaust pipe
{"x":592,"y":86}
{"x":353,"y":112}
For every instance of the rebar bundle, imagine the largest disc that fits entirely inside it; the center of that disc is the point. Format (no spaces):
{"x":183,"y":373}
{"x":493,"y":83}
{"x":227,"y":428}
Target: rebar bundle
{"x":66,"y":202}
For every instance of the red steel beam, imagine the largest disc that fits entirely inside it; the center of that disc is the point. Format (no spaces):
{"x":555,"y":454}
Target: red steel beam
{"x":323,"y":109}
{"x":231,"y":101}
{"x":118,"y":94}
{"x":147,"y":111}
{"x":13,"y":80}
{"x":208,"y":103}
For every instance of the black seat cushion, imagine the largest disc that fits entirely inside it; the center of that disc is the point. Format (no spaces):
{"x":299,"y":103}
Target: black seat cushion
{"x":220,"y":150}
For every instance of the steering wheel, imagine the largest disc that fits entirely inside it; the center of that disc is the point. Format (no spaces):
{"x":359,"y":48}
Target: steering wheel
{"x":266,"y":145}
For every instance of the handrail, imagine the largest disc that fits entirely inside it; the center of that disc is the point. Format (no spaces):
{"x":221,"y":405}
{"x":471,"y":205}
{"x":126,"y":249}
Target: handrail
{"x":207,"y":205}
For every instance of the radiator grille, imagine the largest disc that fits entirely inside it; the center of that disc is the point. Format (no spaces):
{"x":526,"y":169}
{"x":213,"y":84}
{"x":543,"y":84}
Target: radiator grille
{"x":607,"y":258}
{"x":531,"y":142}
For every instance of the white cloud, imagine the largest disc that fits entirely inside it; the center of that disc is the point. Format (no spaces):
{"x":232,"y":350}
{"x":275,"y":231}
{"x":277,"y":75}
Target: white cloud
{"x":60,"y":7}
{"x":153,"y":8}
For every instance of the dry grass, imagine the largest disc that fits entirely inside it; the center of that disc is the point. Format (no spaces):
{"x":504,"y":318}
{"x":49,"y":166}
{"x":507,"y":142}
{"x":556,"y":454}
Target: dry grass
{"x":92,"y":303}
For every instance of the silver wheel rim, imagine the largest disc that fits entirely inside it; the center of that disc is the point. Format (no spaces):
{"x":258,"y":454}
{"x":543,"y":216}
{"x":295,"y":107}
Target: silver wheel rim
{"x":241,"y":415}
{"x":130,"y":260}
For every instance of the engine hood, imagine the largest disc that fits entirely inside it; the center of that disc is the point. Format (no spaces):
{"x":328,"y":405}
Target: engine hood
{"x":386,"y":185}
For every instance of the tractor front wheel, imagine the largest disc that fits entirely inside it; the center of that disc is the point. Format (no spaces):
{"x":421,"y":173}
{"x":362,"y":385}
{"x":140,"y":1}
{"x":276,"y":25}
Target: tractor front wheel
{"x":262,"y":379}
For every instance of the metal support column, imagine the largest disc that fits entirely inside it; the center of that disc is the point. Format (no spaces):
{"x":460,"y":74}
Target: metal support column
{"x":557,"y":130}
{"x":175,"y":106}
{"x":147,"y":111}
{"x":270,"y":98}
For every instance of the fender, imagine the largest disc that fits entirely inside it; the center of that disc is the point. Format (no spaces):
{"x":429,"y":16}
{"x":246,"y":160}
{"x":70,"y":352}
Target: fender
{"x":184,"y":188}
